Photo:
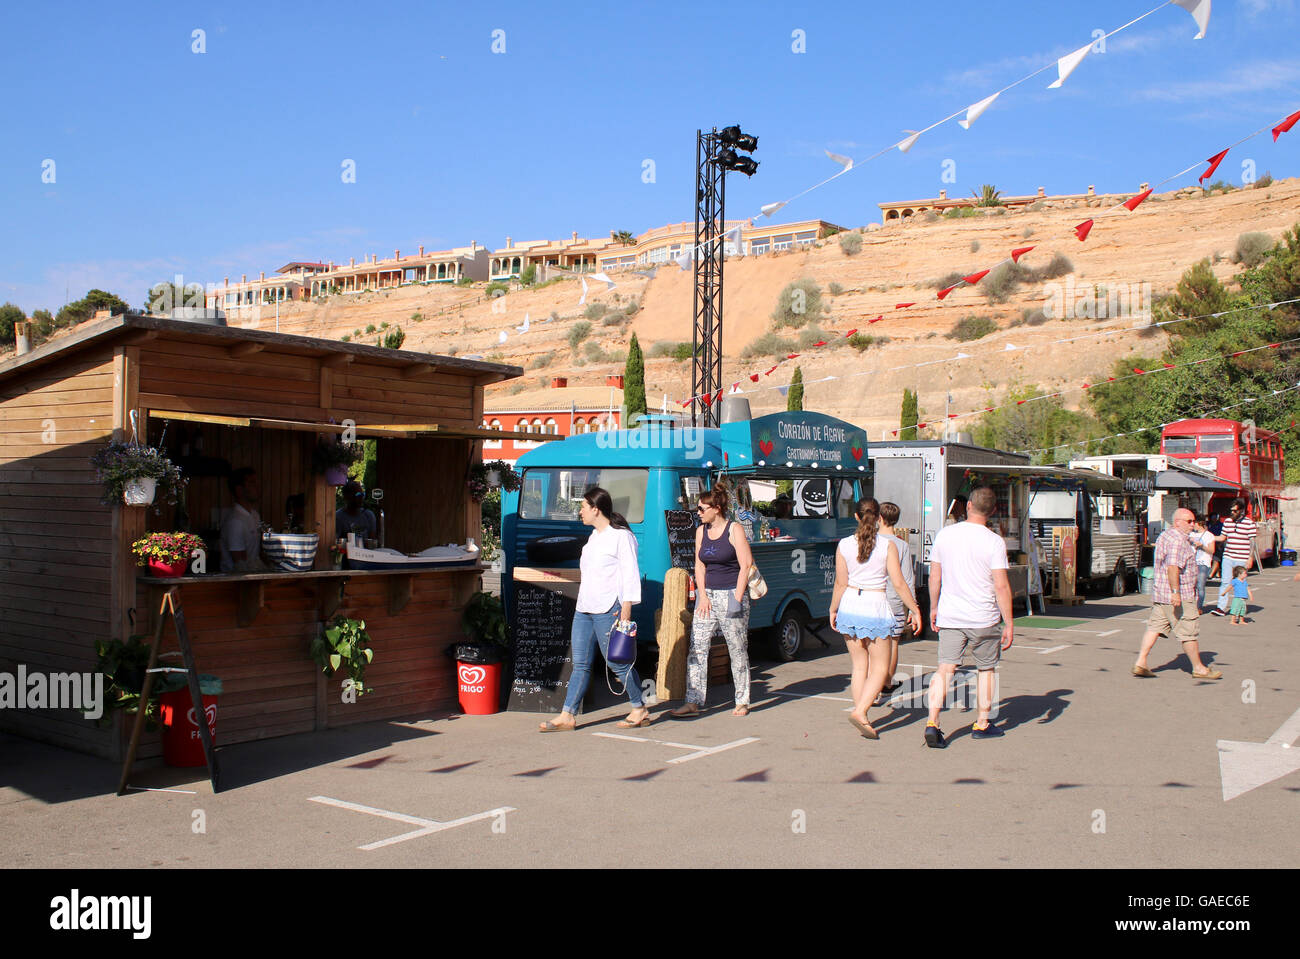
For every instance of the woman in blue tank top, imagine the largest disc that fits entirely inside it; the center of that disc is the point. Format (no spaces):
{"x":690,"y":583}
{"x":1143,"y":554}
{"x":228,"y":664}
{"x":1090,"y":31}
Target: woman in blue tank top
{"x":722,"y":564}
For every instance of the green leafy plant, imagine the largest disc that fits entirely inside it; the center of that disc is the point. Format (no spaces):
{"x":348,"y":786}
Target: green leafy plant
{"x":167,"y":548}
{"x":988,"y":195}
{"x":484,"y":620}
{"x":529,"y":275}
{"x":835,"y":288}
{"x":1252,"y":248}
{"x":850,"y":243}
{"x":119,"y":464}
{"x":394,"y":338}
{"x":344,"y":645}
{"x":123,"y":666}
{"x":478,"y":478}
{"x":973,"y":328}
{"x":577,"y":333}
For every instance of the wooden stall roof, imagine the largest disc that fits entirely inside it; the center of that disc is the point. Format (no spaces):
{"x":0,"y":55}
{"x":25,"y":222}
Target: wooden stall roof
{"x":137,"y":327}
{"x":386,"y":430}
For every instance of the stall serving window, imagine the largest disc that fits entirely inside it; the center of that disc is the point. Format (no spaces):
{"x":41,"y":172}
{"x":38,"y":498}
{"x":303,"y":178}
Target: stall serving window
{"x":556,"y":494}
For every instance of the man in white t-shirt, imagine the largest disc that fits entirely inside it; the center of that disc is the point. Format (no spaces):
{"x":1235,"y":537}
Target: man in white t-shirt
{"x":970,"y":596}
{"x":241,"y":533}
{"x":1204,"y":542}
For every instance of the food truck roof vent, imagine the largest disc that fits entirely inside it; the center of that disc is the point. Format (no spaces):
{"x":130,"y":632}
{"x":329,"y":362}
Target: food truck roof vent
{"x":735,"y":409}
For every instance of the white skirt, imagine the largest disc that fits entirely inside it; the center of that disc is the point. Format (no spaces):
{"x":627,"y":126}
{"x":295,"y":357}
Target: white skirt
{"x":864,"y":614}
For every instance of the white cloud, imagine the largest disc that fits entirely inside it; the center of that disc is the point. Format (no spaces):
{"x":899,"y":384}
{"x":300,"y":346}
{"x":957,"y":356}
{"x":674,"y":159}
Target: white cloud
{"x":1254,"y":77}
{"x":1255,"y":8}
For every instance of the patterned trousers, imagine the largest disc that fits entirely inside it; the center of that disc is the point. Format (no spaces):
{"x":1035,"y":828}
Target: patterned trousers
{"x":735,"y":630}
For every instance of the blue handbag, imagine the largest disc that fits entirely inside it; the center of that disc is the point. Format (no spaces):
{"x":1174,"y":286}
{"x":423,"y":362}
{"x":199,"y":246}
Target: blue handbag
{"x":622,"y":642}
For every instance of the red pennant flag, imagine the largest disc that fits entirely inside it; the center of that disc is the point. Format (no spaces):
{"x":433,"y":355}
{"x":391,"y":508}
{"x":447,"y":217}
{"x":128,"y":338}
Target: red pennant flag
{"x":1285,"y":125}
{"x":686,"y":403}
{"x":792,"y":356}
{"x":944,"y":293}
{"x":753,"y":377}
{"x":820,"y":343}
{"x":718,"y":398}
{"x":1238,"y":353}
{"x":850,"y":332}
{"x":900,"y":306}
{"x":770,"y":372}
{"x":1020,"y":402}
{"x":1017,"y":254}
{"x":1087,"y":386}
{"x":953,"y":416}
{"x":976,"y":277}
{"x":1214,"y":162}
{"x":876,"y":320}
{"x":1137,"y":371}
{"x":1133,"y":202}
{"x":920,"y":426}
{"x":1110,"y":379}
{"x":988,"y":409}
{"x":895,"y":432}
{"x":1168,"y":366}
{"x":736,"y":385}
{"x":1274,"y":346}
{"x":1083,"y":229}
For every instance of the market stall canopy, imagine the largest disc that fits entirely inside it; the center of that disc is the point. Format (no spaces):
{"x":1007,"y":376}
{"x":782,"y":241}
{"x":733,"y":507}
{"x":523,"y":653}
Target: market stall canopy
{"x":1058,"y":477}
{"x":795,"y":442}
{"x":390,"y":431}
{"x":1177,"y":479}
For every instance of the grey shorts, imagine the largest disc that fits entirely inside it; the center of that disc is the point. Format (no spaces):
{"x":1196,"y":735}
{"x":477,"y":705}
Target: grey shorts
{"x":985,"y":645}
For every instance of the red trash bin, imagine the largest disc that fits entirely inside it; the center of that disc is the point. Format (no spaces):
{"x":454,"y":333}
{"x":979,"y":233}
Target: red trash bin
{"x":182,"y":745}
{"x":480,"y":687}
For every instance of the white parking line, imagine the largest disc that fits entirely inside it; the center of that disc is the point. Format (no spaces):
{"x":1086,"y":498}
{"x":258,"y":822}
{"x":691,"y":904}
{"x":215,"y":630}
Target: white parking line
{"x":1108,"y":633}
{"x":1054,"y":649}
{"x":838,"y":699}
{"x":697,"y":751}
{"x":428,"y":826}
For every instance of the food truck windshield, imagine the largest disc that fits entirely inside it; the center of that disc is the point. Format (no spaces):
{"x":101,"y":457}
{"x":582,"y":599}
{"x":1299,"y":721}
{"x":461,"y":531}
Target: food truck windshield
{"x":555,"y":493}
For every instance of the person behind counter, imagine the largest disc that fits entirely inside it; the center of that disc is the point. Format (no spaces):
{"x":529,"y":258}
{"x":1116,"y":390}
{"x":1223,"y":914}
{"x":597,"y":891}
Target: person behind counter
{"x":864,"y":562}
{"x":241,"y":533}
{"x":610,"y":587}
{"x":352,"y":518}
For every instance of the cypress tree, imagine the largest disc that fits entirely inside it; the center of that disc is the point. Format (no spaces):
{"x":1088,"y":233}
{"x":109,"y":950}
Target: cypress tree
{"x":634,"y":382}
{"x":795,"y":401}
{"x":907,"y":421}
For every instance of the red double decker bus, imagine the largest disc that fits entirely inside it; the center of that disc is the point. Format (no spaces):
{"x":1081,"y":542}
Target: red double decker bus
{"x":1239,"y":453}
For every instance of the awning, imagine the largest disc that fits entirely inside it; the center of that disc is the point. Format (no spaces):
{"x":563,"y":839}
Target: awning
{"x":1182,"y":480}
{"x":385,"y":430}
{"x":1052,"y":476}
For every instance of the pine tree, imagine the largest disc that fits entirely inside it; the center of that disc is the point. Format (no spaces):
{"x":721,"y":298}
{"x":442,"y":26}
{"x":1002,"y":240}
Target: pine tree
{"x":907,"y":421}
{"x":795,"y":401}
{"x":634,"y":382}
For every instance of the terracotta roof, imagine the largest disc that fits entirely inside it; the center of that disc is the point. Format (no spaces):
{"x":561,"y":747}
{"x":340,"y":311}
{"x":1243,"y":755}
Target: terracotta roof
{"x":584,"y":398}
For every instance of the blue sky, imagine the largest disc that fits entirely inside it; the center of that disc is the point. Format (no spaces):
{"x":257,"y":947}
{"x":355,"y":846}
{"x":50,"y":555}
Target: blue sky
{"x":227,"y":162}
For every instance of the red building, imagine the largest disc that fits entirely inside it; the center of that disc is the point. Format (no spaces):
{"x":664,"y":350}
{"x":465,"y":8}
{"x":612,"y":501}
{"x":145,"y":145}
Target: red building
{"x":560,"y":410}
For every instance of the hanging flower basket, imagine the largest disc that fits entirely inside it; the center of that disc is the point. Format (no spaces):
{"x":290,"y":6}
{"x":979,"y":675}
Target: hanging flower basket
{"x":491,"y":475}
{"x":140,"y":491}
{"x":136,"y":475}
{"x":332,"y":457}
{"x":336,"y":475}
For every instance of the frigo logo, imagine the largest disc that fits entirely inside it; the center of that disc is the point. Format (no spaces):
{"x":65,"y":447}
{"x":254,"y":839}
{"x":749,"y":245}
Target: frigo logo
{"x":210,"y":711}
{"x":472,"y":678}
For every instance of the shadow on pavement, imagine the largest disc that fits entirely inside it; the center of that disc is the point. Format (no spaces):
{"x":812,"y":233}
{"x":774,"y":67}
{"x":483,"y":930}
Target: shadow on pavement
{"x":1019,"y":710}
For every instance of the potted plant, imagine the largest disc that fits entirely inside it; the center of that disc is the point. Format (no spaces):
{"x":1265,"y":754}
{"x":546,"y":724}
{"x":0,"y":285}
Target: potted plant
{"x":491,"y":475}
{"x":337,"y":552}
{"x":344,"y":645}
{"x":333,"y":457}
{"x":484,"y":622}
{"x":134,"y":474}
{"x":123,"y":666}
{"x":166,"y":554}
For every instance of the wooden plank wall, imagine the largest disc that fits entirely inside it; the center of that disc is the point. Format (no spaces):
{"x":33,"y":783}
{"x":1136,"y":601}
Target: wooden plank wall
{"x":270,"y":681}
{"x":56,"y":540}
{"x":425,"y":497}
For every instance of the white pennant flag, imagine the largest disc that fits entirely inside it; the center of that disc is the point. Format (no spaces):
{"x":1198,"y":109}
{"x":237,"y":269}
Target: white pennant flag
{"x":583,"y":299}
{"x":734,"y":236}
{"x":609,"y":284}
{"x":975,"y":111}
{"x":909,"y":142}
{"x":1009,"y":348}
{"x":1200,"y":10}
{"x":963,"y":356}
{"x":503,"y":337}
{"x":846,"y":162}
{"x":1068,"y":64}
{"x":648,"y":274}
{"x":524,"y":328}
{"x":686,"y":256}
{"x":783,"y":390}
{"x":767,"y":209}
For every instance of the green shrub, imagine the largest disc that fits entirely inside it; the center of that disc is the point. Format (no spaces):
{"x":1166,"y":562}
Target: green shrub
{"x":1058,"y":266}
{"x":943,"y":282}
{"x":1029,"y":317}
{"x":578,"y":333}
{"x":851,"y":243}
{"x":370,"y":328}
{"x":464,"y":281}
{"x":682,"y":352}
{"x":972,"y":328}
{"x":1264,"y":181}
{"x":1028,"y":232}
{"x":1252,"y":248}
{"x":988,"y":195}
{"x":493,"y":289}
{"x":974,"y":246}
{"x":347,"y":337}
{"x":543,"y":361}
{"x":417,"y":317}
{"x":769,"y":344}
{"x":961,"y":212}
{"x":529,"y":275}
{"x":631,"y":309}
{"x":799,"y":303}
{"x":998,"y":286}
{"x":593,"y":350}
{"x":595,"y":311}
{"x":810,"y":336}
{"x":1220,"y":186}
{"x":383,"y":325}
{"x":554,"y":315}
{"x":835,"y":289}
{"x":394,"y":339}
{"x":661,"y":349}
{"x":614,"y":319}
{"x":1037,"y":206}
{"x":861,"y":341}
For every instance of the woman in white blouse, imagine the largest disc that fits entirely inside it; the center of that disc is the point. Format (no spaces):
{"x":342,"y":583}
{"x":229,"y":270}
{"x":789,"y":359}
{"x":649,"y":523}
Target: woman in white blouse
{"x":610,"y":587}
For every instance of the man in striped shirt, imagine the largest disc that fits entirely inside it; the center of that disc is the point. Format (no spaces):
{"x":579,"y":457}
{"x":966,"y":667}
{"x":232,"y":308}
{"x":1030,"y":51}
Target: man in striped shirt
{"x":1238,"y":550}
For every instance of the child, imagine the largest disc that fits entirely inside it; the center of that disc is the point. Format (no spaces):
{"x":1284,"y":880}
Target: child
{"x":1240,"y":593}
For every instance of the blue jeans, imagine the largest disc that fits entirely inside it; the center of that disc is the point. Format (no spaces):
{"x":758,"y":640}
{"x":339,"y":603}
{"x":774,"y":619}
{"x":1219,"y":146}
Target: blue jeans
{"x":1226,"y":574}
{"x":588,"y":630}
{"x":1202,"y":573}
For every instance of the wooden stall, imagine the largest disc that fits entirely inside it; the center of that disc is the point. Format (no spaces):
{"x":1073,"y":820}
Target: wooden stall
{"x":216,"y":399}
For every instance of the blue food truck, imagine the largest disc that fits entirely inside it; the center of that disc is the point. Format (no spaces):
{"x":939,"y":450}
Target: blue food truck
{"x":655,"y":474}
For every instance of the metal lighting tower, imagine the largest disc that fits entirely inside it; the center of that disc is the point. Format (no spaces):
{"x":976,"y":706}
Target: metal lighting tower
{"x":715,"y":156}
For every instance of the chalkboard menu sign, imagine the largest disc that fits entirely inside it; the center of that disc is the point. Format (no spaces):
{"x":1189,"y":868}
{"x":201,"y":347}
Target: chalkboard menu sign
{"x":543,"y":620}
{"x":681,"y":538}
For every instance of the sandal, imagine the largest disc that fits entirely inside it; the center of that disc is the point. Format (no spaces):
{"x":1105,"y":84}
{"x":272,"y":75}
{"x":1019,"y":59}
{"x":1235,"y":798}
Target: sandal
{"x":1208,"y":674}
{"x":549,"y":727}
{"x":864,"y":728}
{"x":741,"y":710}
{"x":686,"y":709}
{"x":629,"y":724}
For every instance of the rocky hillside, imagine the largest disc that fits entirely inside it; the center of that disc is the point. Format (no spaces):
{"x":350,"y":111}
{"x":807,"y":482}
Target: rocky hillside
{"x":898,"y":263}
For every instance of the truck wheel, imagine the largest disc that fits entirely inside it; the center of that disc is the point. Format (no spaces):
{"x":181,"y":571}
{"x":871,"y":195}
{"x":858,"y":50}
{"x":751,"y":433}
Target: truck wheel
{"x":789,"y":634}
{"x":1119,"y":582}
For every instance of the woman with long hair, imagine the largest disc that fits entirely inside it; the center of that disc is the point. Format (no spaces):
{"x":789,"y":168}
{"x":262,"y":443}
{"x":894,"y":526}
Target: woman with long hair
{"x":610,"y":586}
{"x":722,"y":564}
{"x":859,"y":609}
